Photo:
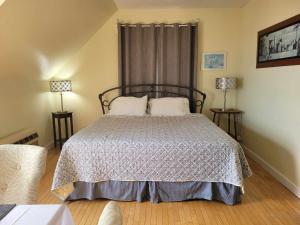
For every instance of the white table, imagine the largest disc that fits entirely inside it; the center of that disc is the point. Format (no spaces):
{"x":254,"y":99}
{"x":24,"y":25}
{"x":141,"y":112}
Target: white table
{"x":38,"y":215}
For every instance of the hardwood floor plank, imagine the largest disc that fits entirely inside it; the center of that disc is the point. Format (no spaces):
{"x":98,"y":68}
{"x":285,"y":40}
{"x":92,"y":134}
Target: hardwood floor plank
{"x":266,"y":202}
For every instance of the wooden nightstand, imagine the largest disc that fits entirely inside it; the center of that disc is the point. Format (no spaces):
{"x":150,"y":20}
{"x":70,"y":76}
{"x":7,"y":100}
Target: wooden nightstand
{"x":218,"y":112}
{"x":64,"y":116}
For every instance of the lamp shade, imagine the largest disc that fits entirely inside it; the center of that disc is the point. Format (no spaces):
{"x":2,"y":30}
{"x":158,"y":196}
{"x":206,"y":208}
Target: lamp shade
{"x":226,"y":83}
{"x":60,"y":86}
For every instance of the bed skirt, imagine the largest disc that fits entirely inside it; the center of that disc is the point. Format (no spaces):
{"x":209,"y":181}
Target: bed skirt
{"x":156,"y":191}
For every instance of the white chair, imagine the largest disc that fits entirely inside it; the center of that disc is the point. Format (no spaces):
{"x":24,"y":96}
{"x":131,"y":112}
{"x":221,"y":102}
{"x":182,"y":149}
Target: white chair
{"x":21,"y":168}
{"x":111,"y":215}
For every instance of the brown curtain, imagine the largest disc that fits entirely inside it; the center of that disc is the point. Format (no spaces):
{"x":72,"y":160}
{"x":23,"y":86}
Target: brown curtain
{"x":159,"y":54}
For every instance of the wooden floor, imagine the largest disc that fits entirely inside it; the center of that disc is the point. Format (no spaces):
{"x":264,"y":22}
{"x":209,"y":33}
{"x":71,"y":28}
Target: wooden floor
{"x":266,"y":202}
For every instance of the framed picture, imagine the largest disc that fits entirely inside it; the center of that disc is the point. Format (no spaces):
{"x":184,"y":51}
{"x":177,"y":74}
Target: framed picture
{"x":214,"y":61}
{"x":279,"y":45}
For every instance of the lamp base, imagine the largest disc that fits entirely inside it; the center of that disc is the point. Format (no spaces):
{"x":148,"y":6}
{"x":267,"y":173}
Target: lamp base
{"x":224,"y":106}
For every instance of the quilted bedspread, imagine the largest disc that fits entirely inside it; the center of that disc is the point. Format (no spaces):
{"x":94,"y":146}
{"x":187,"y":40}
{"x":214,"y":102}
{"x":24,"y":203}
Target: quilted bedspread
{"x":170,"y":149}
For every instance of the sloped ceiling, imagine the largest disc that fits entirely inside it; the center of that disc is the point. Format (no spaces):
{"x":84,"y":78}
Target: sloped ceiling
{"x":180,"y":3}
{"x":36,"y":36}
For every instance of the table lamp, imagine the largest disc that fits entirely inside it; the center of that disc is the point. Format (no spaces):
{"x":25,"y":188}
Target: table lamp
{"x":225,"y":83}
{"x":61,"y":86}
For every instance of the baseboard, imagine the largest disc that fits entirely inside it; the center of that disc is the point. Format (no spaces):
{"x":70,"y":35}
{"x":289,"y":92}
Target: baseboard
{"x":275,"y":173}
{"x":49,"y":146}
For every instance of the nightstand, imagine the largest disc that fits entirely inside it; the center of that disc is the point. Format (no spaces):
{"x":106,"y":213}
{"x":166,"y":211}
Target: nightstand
{"x":235,"y":112}
{"x":56,"y":119}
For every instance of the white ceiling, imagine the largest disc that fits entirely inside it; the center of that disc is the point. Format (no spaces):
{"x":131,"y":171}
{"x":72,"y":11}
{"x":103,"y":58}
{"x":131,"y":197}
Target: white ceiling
{"x":180,"y":3}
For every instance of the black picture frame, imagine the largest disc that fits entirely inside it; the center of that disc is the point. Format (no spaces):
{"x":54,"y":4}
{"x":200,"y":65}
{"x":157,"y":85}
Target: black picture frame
{"x":279,"y":45}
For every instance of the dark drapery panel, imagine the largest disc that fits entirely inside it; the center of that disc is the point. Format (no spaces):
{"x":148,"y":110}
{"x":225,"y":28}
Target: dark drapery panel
{"x":137,"y":54}
{"x":160,"y":54}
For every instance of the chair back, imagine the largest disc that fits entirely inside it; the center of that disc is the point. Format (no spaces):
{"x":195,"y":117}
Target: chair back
{"x":21,"y":168}
{"x":111,"y":215}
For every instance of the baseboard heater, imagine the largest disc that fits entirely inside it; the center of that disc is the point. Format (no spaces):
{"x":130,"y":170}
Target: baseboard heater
{"x":26,"y":136}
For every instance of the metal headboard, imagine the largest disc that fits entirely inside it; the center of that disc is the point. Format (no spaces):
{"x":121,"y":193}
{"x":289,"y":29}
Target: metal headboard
{"x":196,"y":97}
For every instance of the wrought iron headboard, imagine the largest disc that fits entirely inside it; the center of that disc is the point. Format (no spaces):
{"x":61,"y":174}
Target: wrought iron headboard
{"x":196,"y":97}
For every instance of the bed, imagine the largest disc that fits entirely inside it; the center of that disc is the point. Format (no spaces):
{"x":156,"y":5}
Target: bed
{"x":156,"y":158}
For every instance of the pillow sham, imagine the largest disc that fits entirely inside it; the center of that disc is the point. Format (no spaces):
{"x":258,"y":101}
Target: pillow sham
{"x":129,"y":106}
{"x":169,"y":106}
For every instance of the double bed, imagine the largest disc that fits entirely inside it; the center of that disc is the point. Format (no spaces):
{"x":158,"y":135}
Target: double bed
{"x":156,"y":158}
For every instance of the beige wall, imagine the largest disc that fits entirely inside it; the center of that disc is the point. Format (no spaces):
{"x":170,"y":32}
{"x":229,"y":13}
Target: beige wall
{"x":270,"y":97}
{"x":36,"y":37}
{"x":33,"y":51}
{"x":97,"y":61}
{"x":25,"y":103}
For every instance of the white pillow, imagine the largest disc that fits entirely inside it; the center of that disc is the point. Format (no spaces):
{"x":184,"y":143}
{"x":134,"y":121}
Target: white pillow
{"x":130,"y":106}
{"x":111,"y":215}
{"x":169,"y":106}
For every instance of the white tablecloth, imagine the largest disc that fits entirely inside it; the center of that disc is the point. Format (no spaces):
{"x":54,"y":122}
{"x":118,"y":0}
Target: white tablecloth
{"x":38,"y":215}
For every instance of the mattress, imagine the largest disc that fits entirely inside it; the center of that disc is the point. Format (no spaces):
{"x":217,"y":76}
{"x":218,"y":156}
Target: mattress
{"x":155,"y":149}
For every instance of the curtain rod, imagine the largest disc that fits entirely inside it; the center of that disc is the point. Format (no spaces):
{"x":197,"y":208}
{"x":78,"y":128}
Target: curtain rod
{"x":157,"y":25}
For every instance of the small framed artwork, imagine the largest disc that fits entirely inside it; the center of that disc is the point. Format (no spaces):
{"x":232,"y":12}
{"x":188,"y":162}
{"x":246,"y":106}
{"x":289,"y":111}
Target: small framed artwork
{"x":279,"y":45}
{"x":214,"y":61}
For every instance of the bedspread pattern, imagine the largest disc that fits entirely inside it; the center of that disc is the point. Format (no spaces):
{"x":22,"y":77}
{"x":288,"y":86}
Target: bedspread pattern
{"x":170,"y":149}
